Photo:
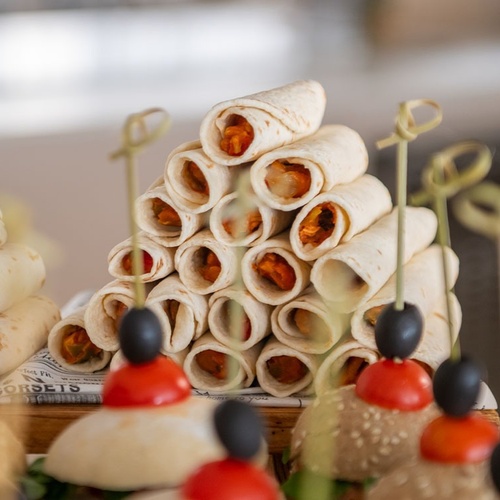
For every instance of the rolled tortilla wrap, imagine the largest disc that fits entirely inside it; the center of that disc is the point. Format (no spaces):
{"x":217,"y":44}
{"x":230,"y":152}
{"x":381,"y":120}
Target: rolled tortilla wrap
{"x":119,"y":360}
{"x":307,"y":324}
{"x":289,"y":177}
{"x":207,"y":365}
{"x":204,"y":264}
{"x":283,"y":371}
{"x":337,"y":215}
{"x":261,"y":222}
{"x":158,"y":259}
{"x":13,"y":463}
{"x":158,"y":215}
{"x":193,"y":181}
{"x":254,"y":316}
{"x":262,"y":122}
{"x":354,"y":271}
{"x":182,"y":312}
{"x":272,"y":273}
{"x":3,"y":231}
{"x":22,"y":274}
{"x":24,"y":329}
{"x":343,"y":364}
{"x":423,"y":286}
{"x":71,"y":347}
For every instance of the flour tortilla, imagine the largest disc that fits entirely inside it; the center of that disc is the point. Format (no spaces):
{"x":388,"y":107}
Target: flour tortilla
{"x":286,"y":330}
{"x":187,"y":263}
{"x":12,"y":463}
{"x":22,"y":274}
{"x":218,"y":177}
{"x":119,"y":360}
{"x":273,"y":348}
{"x":334,"y":155}
{"x":273,"y":222}
{"x":161,"y":447}
{"x":191,"y":319}
{"x":326,"y":377}
{"x":161,"y":254}
{"x":357,"y":205}
{"x":354,"y":271}
{"x":171,"y":236}
{"x":261,"y":288}
{"x":243,"y":377}
{"x":56,"y":336}
{"x":3,"y":231}
{"x":220,"y":324}
{"x":24,"y":329}
{"x":278,"y":116}
{"x":423,"y":286}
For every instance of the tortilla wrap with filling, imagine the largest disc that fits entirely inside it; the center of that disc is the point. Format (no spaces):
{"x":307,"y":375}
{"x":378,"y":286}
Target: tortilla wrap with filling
{"x":283,"y":371}
{"x":254,"y":315}
{"x":289,"y":177}
{"x":12,"y":462}
{"x":3,"y":231}
{"x":207,"y":365}
{"x":354,"y":271}
{"x":337,"y":215}
{"x":119,"y":360}
{"x":204,"y":264}
{"x":158,"y":215}
{"x":24,"y":329}
{"x":70,"y":346}
{"x":307,"y":324}
{"x":157,"y":257}
{"x":22,"y":273}
{"x":272,"y":273}
{"x":182,"y":313}
{"x":161,"y":446}
{"x":423,"y":286}
{"x":343,"y":364}
{"x":260,"y":223}
{"x":262,"y":122}
{"x":193,"y":181}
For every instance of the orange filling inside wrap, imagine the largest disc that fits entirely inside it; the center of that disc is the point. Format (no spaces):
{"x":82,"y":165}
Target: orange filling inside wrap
{"x":194,"y":178}
{"x":310,"y":325}
{"x":318,"y":225}
{"x":147,"y":262}
{"x":210,"y":267}
{"x":165,"y":214}
{"x":288,"y":180}
{"x":277,"y":270}
{"x":351,"y":370}
{"x":76,"y":346}
{"x":213,"y":362}
{"x":237,"y":136}
{"x":252,"y":223}
{"x":286,"y":369}
{"x":227,"y":309}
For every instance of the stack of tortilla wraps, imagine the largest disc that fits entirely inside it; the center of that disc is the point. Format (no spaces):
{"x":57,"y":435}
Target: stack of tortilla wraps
{"x":26,"y":316}
{"x":282,"y":275}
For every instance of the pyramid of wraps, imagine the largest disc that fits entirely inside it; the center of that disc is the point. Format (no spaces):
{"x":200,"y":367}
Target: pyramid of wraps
{"x":26,"y":315}
{"x":307,"y":261}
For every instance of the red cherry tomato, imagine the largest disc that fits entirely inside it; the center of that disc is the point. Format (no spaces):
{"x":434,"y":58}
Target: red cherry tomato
{"x":402,"y":385}
{"x":460,"y":440}
{"x":230,"y":479}
{"x":159,"y":382}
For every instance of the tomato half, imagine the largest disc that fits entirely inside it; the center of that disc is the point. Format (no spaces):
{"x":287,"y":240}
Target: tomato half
{"x":460,"y":440}
{"x":230,"y":479}
{"x":401,"y":385}
{"x":156,"y":383}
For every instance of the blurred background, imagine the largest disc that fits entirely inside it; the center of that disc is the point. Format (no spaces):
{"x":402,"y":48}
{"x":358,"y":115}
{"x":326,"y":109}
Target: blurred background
{"x":72,"y":70}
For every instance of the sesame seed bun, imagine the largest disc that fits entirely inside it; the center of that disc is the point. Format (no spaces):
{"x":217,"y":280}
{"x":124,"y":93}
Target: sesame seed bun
{"x":342,"y":437}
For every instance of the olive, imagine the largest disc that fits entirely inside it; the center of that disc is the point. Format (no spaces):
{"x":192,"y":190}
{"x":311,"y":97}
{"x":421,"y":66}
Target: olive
{"x":140,"y":335}
{"x":495,"y":466}
{"x":398,"y":332}
{"x":456,"y":385}
{"x":239,"y":428}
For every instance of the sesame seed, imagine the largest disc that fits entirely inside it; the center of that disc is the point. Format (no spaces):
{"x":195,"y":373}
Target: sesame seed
{"x":376,"y":430}
{"x":355,"y":434}
{"x":385,"y":451}
{"x":403,"y":434}
{"x":366,"y":415}
{"x":386,"y":440}
{"x":359,"y":443}
{"x":340,"y":406}
{"x":366,"y":425}
{"x":395,"y":440}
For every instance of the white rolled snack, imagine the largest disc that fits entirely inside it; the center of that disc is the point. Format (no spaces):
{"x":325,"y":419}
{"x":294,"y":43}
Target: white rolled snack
{"x":182,"y":312}
{"x":423,"y":286}
{"x":70,"y":345}
{"x":157,"y":257}
{"x":158,"y":215}
{"x":118,"y":359}
{"x":337,"y":215}
{"x":260,"y":223}
{"x":207,"y":365}
{"x":22,"y":273}
{"x":283,"y":371}
{"x":204,"y":264}
{"x":193,"y":181}
{"x":3,"y":231}
{"x":289,"y":177}
{"x":343,"y":364}
{"x":272,"y":273}
{"x":350,"y":274}
{"x":270,"y":119}
{"x":307,"y":324}
{"x":224,"y":318}
{"x":24,"y":329}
